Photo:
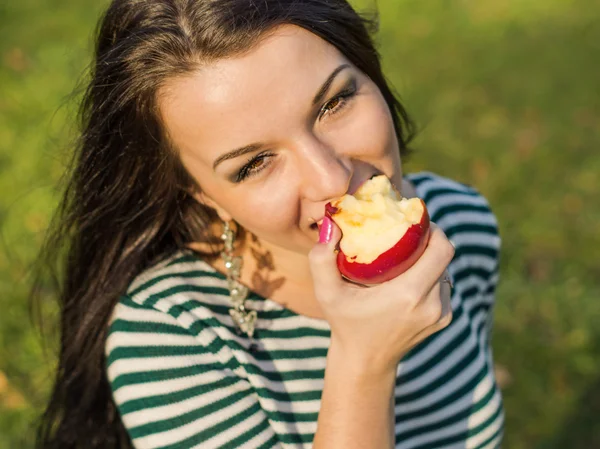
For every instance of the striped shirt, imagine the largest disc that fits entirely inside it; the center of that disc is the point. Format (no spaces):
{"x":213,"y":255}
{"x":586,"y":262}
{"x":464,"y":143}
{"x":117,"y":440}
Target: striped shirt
{"x":183,"y":378}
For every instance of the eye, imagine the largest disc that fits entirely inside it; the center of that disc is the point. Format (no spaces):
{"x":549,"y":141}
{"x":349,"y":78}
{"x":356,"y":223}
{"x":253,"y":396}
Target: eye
{"x":338,"y":102}
{"x":253,"y":166}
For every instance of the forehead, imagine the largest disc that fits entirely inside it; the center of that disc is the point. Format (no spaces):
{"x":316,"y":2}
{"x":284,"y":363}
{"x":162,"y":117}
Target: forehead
{"x":248,"y":98}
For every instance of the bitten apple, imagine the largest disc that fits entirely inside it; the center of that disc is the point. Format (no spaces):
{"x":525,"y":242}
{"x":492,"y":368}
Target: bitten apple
{"x":383,"y":234}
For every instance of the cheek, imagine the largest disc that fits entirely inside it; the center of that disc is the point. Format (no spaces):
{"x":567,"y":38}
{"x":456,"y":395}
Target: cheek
{"x":267,"y":211}
{"x":371,"y":131}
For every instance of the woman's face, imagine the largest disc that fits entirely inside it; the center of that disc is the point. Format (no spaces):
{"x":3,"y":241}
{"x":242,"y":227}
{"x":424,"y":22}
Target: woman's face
{"x":274,"y":134}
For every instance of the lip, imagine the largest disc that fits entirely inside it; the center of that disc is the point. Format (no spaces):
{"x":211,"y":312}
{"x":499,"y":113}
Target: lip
{"x":357,"y":186}
{"x":316,"y":225}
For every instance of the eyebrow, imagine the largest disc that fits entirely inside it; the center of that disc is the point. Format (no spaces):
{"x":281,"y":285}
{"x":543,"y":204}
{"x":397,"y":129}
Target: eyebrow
{"x":256,"y":146}
{"x":327,"y":84}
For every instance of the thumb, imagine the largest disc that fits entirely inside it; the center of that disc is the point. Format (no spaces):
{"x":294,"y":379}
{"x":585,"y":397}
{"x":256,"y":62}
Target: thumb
{"x":323,"y":256}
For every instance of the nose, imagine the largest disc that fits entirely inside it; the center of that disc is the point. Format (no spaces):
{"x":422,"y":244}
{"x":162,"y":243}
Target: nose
{"x":325,"y":173}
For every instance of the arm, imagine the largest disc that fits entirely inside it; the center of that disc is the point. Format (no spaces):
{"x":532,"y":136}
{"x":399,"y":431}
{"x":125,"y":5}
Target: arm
{"x":372,"y":328}
{"x":173,"y":391}
{"x":357,"y":406}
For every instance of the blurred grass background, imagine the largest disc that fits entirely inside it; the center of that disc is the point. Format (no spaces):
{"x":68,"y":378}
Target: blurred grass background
{"x":507,"y":96}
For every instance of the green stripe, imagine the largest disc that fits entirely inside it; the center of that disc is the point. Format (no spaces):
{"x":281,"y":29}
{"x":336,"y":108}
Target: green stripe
{"x":455,"y":417}
{"x":130,"y":303}
{"x":297,"y":438}
{"x":461,"y":436}
{"x":186,"y":256}
{"x":476,"y":250}
{"x":467,"y":272}
{"x":247,"y":435}
{"x":135,"y":405}
{"x":291,"y":354}
{"x":440,"y":191}
{"x":495,"y":435}
{"x":142,"y":377}
{"x":197,"y":274}
{"x":453,"y":208}
{"x":471,"y":228}
{"x":284,"y":396}
{"x":185,"y":288}
{"x":123,"y":325}
{"x":466,"y":361}
{"x":129,"y":352}
{"x":188,"y":417}
{"x":214,"y":430}
{"x":270,"y":443}
{"x":441,"y":355}
{"x":452,"y":397}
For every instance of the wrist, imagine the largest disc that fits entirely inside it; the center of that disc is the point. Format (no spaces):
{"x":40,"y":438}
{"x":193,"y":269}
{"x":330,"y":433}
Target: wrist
{"x":368,"y":368}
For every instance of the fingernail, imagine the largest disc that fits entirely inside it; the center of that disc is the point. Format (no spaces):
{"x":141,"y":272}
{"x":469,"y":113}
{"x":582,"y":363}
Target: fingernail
{"x":326,"y":230}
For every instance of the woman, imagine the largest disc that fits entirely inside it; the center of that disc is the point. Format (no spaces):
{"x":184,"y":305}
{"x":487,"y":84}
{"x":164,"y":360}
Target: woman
{"x":198,"y":309}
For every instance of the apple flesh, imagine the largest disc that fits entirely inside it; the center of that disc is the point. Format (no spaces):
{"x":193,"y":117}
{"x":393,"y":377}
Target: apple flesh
{"x":383,"y":234}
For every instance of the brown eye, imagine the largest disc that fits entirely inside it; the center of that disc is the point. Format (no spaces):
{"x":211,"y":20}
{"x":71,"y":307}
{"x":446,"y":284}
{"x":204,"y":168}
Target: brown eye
{"x":333,"y":104}
{"x":255,"y":164}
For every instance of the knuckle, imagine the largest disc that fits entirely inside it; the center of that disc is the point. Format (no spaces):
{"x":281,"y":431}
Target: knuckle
{"x":449,"y":250}
{"x":412,"y":296}
{"x":432,"y":312}
{"x":445,"y":321}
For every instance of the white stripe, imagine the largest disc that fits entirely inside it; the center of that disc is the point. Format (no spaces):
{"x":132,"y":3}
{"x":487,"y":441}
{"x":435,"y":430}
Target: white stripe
{"x":144,"y":364}
{"x":182,"y":432}
{"x":453,"y":429}
{"x":406,"y":366}
{"x":149,"y":389}
{"x":220,"y":439}
{"x":147,"y":339}
{"x":473,"y":260}
{"x":456,"y":383}
{"x":482,"y":239}
{"x":270,"y":405}
{"x":305,"y":427}
{"x":454,"y":199}
{"x":255,"y":441}
{"x":135,"y":315}
{"x":479,"y":438}
{"x":460,"y":404}
{"x":451,"y":359}
{"x":438,"y":182}
{"x":466,"y":217}
{"x":485,"y":413}
{"x":174,"y":409}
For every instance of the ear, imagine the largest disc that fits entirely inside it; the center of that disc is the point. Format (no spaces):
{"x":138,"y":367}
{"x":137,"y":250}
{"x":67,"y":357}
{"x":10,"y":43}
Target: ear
{"x":204,"y":199}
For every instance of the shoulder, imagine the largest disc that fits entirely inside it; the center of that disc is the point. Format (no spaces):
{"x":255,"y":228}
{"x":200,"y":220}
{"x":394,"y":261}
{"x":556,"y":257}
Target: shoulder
{"x":465,"y":216}
{"x":172,"y":313}
{"x":181,"y":295}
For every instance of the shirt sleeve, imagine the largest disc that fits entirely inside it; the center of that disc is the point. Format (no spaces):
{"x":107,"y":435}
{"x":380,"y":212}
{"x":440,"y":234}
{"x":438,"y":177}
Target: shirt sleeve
{"x":176,"y":389}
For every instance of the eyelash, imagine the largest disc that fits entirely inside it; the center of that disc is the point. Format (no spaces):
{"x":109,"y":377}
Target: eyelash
{"x":342,"y":97}
{"x":247,"y":171}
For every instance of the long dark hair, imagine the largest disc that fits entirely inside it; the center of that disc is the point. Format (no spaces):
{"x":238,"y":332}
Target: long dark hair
{"x":127,"y":200}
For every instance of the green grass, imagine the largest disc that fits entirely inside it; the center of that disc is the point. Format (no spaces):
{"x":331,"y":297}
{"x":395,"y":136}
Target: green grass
{"x":506,"y":94}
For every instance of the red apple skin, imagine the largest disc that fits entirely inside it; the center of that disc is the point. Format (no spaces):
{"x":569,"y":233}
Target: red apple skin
{"x":391,"y":263}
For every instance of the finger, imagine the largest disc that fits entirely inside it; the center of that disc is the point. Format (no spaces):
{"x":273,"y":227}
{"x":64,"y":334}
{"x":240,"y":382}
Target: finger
{"x":435,"y":310}
{"x":423,"y":276}
{"x":322,"y":258}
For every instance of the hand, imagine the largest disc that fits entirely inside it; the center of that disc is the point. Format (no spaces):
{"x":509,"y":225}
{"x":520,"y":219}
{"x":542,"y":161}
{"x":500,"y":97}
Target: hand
{"x":373,"y":327}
